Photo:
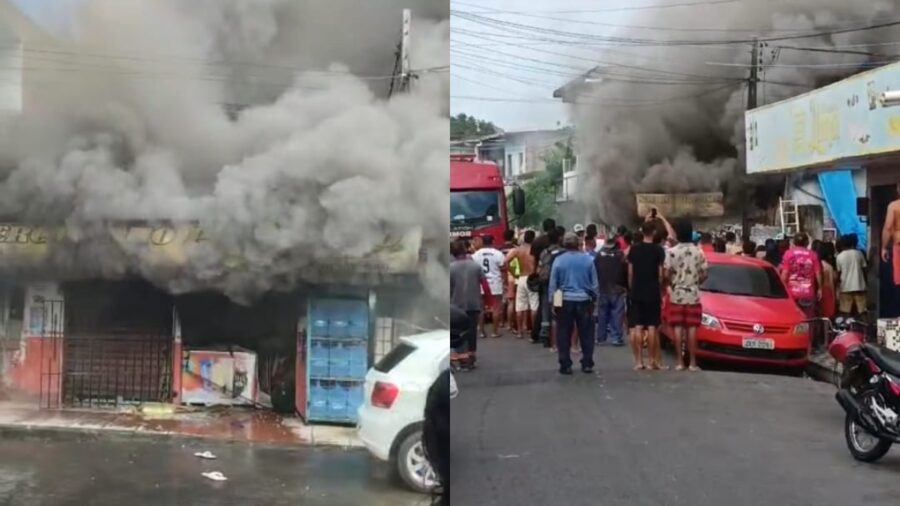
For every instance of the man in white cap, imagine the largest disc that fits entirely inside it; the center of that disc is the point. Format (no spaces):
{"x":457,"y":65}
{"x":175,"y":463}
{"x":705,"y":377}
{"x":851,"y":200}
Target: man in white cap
{"x":579,"y":231}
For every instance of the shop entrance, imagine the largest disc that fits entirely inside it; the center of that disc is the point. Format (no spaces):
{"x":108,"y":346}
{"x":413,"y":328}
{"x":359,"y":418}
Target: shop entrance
{"x":118,"y":344}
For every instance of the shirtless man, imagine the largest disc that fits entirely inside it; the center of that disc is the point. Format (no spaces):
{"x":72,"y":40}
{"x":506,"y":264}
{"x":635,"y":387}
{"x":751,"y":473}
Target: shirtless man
{"x":526,"y":300}
{"x":890,"y":238}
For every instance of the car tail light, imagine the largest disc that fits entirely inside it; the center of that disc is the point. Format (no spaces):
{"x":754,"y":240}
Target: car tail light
{"x":384,"y":394}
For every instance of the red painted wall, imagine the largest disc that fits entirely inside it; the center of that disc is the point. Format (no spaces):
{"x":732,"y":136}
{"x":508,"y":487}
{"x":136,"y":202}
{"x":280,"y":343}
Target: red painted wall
{"x":42,"y":361}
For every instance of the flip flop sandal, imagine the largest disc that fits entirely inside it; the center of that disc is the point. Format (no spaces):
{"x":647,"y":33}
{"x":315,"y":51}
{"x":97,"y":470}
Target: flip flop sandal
{"x":215,"y":476}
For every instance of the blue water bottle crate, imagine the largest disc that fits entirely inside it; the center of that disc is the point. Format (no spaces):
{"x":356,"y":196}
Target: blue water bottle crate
{"x":339,"y":327}
{"x":337,"y":403}
{"x":356,"y":397}
{"x":318,"y":401}
{"x":359,"y":361}
{"x":358,"y":329}
{"x":339,"y":361}
{"x":320,"y":328}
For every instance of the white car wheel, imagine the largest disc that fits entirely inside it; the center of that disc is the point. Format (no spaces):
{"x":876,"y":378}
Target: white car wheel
{"x":412,"y":465}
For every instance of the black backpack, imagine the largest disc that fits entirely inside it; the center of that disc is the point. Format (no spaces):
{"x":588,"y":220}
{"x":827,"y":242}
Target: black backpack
{"x":545,"y":263}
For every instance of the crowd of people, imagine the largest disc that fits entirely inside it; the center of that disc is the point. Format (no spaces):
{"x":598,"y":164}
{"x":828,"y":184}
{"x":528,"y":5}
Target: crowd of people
{"x":572,"y":290}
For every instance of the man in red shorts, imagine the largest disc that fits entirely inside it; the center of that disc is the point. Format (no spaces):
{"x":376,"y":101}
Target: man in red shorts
{"x":685,"y":269}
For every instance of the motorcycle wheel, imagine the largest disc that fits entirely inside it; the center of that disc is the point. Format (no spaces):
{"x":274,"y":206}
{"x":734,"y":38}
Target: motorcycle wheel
{"x":862,"y":445}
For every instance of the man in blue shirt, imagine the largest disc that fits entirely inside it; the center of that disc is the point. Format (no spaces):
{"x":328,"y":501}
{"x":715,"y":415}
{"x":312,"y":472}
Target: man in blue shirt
{"x":574,"y":275}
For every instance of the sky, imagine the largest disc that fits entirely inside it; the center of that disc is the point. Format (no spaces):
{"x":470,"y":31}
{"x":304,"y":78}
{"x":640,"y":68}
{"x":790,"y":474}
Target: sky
{"x":490,"y":62}
{"x":53,"y":15}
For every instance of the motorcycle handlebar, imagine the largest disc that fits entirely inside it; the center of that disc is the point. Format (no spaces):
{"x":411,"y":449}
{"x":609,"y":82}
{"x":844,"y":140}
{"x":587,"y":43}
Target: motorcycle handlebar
{"x":847,"y":323}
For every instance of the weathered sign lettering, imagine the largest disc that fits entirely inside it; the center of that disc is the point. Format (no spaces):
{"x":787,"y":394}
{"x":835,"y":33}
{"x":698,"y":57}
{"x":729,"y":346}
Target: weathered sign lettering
{"x":698,"y":205}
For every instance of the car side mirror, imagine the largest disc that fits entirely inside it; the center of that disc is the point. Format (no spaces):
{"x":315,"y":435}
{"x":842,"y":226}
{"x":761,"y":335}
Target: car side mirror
{"x":518,"y":201}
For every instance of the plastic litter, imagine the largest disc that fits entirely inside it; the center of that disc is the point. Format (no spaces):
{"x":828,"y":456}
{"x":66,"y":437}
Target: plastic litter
{"x":215,"y":476}
{"x":208,"y":455}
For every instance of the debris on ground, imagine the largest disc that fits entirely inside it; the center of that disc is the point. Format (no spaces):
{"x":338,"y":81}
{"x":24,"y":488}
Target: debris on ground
{"x":215,"y":476}
{"x":208,"y":455}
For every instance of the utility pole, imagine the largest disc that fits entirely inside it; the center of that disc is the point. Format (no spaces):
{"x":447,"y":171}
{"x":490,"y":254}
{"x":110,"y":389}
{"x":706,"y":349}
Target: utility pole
{"x":751,"y":104}
{"x":404,"y":51}
{"x":754,"y":75}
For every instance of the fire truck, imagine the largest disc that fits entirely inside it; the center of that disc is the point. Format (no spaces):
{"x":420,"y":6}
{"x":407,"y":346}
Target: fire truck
{"x":478,"y":199}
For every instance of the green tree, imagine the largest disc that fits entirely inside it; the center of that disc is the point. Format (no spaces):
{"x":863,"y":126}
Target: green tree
{"x":555,"y":160}
{"x":540,"y":201}
{"x":541,"y":191}
{"x":463,"y":126}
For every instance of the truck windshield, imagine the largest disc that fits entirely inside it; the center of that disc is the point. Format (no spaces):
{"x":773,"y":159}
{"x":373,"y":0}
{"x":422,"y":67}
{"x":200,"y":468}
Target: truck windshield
{"x":474,"y":208}
{"x":744,"y":280}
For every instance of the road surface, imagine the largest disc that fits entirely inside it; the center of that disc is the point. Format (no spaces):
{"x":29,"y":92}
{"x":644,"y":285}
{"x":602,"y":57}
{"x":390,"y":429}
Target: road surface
{"x":522,"y":435}
{"x":123,"y":471}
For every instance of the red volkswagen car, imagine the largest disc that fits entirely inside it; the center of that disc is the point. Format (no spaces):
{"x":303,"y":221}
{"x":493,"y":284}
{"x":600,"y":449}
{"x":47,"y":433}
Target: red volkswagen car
{"x":748,"y":315}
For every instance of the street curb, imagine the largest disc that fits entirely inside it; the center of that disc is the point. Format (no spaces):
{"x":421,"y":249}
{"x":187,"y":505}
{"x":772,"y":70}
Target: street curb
{"x":823,"y":368}
{"x":17,"y":431}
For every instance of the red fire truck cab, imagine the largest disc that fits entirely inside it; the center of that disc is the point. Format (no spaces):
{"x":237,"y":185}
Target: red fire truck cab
{"x":478,"y":199}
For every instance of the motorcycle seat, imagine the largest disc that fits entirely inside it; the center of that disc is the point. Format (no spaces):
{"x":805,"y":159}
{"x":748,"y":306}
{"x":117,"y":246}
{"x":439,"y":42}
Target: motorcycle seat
{"x":885,"y":358}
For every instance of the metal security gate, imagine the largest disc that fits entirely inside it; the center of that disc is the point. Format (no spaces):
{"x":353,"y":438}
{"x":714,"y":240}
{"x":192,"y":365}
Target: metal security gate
{"x":118,"y":344}
{"x":111,"y":369}
{"x":45,"y":319}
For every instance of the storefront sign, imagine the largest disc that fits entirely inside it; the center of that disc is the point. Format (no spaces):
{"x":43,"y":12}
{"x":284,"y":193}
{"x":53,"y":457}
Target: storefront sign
{"x":698,"y":205}
{"x":840,"y":122}
{"x":24,"y":245}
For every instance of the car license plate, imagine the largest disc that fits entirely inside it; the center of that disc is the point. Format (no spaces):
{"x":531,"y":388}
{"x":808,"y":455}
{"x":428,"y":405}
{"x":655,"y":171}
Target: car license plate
{"x":755,"y":343}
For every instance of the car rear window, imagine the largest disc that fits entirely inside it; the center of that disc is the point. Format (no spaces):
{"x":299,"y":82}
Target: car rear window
{"x":394,"y":357}
{"x":744,"y":280}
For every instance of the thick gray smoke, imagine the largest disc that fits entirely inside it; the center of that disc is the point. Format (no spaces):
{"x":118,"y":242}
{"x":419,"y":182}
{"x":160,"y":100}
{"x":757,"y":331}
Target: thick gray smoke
{"x":640,"y":137}
{"x":128,"y":121}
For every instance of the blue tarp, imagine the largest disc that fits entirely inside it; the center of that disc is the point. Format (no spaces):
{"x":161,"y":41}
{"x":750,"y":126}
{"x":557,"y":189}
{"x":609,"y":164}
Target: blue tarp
{"x":840,"y":197}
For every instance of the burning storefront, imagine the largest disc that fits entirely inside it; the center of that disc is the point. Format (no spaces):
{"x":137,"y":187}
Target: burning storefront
{"x":88,"y":339}
{"x":174,"y":205}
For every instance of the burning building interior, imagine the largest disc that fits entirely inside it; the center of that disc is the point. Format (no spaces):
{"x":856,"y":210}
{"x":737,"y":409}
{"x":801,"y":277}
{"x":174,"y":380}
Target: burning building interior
{"x":186,"y":208}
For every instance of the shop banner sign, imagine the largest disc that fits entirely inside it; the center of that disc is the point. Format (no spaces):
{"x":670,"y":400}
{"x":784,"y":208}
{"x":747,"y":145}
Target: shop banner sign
{"x":840,"y":122}
{"x":697,"y":205}
{"x":219,"y":378}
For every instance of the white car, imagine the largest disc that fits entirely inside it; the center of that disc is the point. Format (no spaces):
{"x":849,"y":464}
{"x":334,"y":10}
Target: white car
{"x":390,"y":420}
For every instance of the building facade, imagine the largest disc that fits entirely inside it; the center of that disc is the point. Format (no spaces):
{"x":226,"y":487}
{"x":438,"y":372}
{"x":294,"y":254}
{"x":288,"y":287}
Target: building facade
{"x":839,"y":145}
{"x":521,"y":155}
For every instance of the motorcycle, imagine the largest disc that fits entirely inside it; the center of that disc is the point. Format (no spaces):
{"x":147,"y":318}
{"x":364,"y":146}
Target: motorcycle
{"x":869,"y":391}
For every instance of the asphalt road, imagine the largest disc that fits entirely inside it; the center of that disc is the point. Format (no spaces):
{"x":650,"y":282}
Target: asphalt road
{"x":522,"y":435}
{"x":125,"y":471}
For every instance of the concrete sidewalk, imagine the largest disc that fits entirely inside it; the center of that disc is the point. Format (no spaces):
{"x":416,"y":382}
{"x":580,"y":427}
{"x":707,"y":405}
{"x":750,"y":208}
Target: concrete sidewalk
{"x":242,"y":425}
{"x":822,"y":367}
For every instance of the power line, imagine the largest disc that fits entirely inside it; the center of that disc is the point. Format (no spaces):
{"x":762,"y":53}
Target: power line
{"x":608,"y":9}
{"x":830,"y":50}
{"x":604,"y":101}
{"x":807,"y":65}
{"x":488,"y":71}
{"x":458,"y":75}
{"x":580,"y":70}
{"x":224,"y":63}
{"x":664,"y":28}
{"x":487,"y":21}
{"x":597,"y":62}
